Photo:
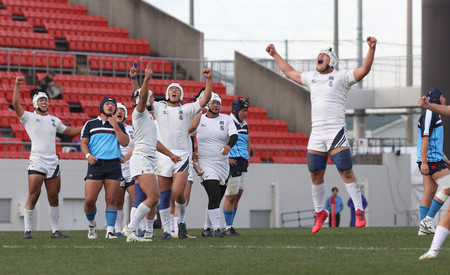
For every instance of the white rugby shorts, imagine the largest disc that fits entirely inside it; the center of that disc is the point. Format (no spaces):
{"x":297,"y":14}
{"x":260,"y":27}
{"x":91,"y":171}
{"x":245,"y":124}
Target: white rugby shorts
{"x":326,"y":138}
{"x":166,"y":167}
{"x":215,"y":170}
{"x":126,"y":173}
{"x":46,"y":164}
{"x":191,"y":170}
{"x":140,"y":164}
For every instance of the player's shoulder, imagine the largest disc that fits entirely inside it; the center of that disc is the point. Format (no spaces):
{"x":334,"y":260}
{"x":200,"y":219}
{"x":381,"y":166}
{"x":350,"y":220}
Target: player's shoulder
{"x":160,"y":104}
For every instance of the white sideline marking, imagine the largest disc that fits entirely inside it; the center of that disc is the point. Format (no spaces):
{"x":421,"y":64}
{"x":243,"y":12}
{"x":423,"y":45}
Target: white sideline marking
{"x":239,"y":247}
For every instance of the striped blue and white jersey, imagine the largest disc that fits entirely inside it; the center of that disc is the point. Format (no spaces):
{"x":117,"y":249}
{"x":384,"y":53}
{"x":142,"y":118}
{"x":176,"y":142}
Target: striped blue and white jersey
{"x":240,"y":149}
{"x":103,"y":143}
{"x":430,"y":125}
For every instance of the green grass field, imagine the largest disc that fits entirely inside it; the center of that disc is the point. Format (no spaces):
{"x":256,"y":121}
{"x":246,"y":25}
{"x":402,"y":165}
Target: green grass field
{"x":385,"y":250}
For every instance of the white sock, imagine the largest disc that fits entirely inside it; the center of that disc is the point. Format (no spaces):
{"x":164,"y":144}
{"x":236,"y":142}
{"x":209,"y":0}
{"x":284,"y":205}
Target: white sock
{"x":141,"y":224}
{"x":28,"y":219}
{"x":119,"y":221}
{"x":354,"y":191}
{"x":132,"y":213}
{"x":318,"y":192}
{"x":141,"y":211}
{"x":214,"y":216}
{"x":172,"y":223}
{"x":109,"y":229}
{"x":92,"y":223}
{"x":207,"y":220}
{"x":165,"y":217}
{"x":149,"y":225}
{"x":175,"y":222}
{"x":181,"y":209}
{"x":439,"y":237}
{"x":54,"y":218}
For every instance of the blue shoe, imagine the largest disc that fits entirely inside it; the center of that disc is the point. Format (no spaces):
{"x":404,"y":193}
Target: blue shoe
{"x":166,"y":236}
{"x":119,"y":235}
{"x":142,"y":233}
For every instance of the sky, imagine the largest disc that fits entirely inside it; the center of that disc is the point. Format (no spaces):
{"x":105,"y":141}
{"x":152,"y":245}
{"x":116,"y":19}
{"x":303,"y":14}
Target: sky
{"x":248,"y":26}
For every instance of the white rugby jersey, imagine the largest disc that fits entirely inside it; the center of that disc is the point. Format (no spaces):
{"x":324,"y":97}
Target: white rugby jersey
{"x":174,"y":124}
{"x":328,"y":96}
{"x":130,"y":132}
{"x":213,"y":134}
{"x":42,"y":131}
{"x":145,"y":136}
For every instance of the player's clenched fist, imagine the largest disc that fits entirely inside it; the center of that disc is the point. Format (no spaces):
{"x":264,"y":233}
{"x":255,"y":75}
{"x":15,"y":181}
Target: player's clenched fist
{"x":207,"y":73}
{"x":20,"y":80}
{"x":371,"y":41}
{"x":271,"y":49}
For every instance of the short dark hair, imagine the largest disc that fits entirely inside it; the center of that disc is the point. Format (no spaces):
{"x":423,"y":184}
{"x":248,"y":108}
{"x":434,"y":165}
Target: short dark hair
{"x":334,"y":188}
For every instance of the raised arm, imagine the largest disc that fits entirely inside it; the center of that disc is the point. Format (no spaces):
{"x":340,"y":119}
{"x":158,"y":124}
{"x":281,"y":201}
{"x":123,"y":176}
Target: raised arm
{"x":287,"y":69}
{"x":443,"y":110}
{"x":133,"y":77}
{"x":16,"y":96}
{"x":208,"y":88}
{"x":361,"y":72}
{"x":143,"y":95}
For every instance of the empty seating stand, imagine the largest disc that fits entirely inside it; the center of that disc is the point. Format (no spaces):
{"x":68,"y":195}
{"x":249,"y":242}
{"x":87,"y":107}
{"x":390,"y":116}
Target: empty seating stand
{"x":19,"y":7}
{"x":38,"y":18}
{"x":124,"y":63}
{"x":107,"y":44}
{"x":24,"y":39}
{"x":59,"y":30}
{"x":31,"y":58}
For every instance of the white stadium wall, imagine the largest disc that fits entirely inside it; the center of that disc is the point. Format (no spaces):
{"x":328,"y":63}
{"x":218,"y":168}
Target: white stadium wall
{"x":387,"y":188}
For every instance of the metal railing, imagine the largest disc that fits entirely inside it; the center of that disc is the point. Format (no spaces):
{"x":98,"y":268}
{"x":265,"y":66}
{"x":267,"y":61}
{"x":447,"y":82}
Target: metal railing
{"x":386,"y":71}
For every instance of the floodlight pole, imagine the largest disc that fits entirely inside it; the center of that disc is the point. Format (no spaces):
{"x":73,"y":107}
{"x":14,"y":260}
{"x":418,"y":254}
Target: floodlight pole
{"x":191,"y":12}
{"x":336,"y":30}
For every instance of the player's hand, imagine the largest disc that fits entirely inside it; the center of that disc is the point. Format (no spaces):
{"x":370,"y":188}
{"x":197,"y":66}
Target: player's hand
{"x":270,"y":49}
{"x":92,"y":160}
{"x":207,"y":73}
{"x":148,"y":72}
{"x":424,"y":169}
{"x":124,"y":159}
{"x":225,"y":150}
{"x":423,"y":102}
{"x":20,"y":80}
{"x":194,"y":156}
{"x":372,"y":42}
{"x":198,"y":170}
{"x":232,"y":162}
{"x":175,"y":158}
{"x":133,"y":70}
{"x":112,"y":120}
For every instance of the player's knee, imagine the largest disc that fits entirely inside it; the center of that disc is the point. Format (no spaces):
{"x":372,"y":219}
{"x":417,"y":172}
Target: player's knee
{"x":343,"y":161}
{"x":111,"y":202}
{"x":214,"y":201}
{"x":53,"y":200}
{"x":154,"y":199}
{"x":316,"y":162}
{"x":165,"y":197}
{"x":233,"y":186}
{"x":444,"y":182}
